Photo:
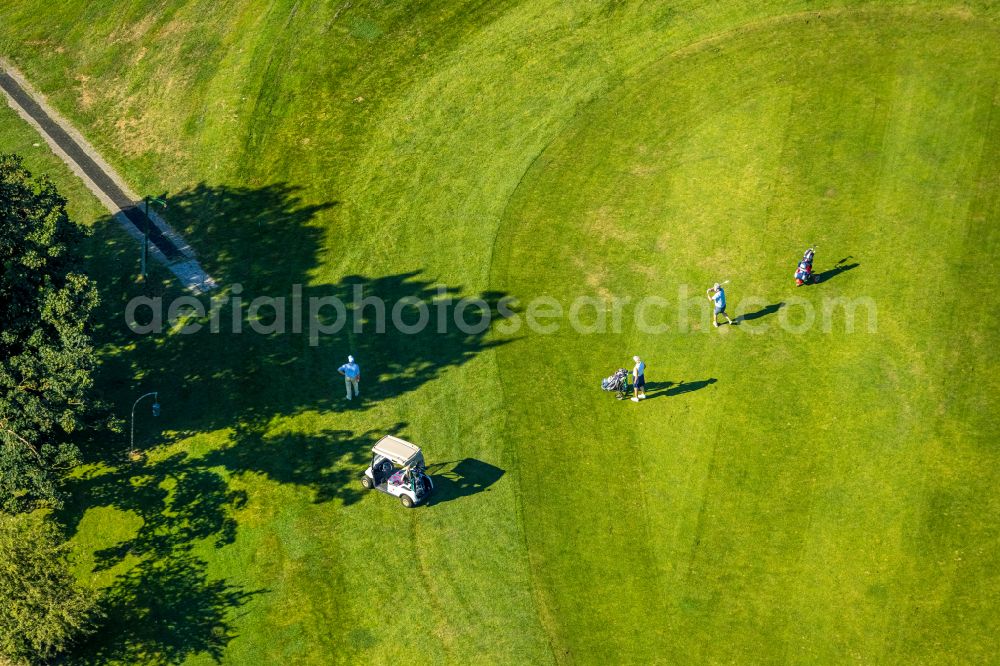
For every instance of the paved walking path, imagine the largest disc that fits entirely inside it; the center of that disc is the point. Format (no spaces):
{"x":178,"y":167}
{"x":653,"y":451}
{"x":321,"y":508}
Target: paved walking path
{"x":164,"y":243}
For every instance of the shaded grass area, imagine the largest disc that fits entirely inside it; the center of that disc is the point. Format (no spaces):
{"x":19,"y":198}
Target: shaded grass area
{"x":245,"y":471}
{"x":263,"y":240}
{"x":263,"y":430}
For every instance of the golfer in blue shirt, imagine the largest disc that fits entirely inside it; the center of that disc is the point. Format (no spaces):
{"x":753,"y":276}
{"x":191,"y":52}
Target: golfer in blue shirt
{"x":639,"y":379}
{"x":352,"y":375}
{"x":718,"y":296}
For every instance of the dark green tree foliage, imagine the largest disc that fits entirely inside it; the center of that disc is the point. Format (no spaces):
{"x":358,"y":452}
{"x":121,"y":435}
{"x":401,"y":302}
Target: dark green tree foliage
{"x":42,"y":610}
{"x":46,"y":356}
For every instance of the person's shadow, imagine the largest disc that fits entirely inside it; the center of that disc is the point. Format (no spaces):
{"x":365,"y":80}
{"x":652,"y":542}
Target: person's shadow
{"x":666,"y":389}
{"x":763,"y":312}
{"x":841,"y":267}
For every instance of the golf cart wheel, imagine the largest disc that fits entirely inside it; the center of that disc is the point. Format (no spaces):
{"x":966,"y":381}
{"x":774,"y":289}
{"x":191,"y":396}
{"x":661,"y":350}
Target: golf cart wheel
{"x":406,"y":501}
{"x":366,"y":482}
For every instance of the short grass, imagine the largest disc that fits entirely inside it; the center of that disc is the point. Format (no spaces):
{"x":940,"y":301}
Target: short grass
{"x":822,"y":497}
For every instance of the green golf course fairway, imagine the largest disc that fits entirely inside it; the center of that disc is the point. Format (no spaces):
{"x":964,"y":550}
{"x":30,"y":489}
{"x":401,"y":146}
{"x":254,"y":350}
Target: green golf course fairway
{"x":792,"y":491}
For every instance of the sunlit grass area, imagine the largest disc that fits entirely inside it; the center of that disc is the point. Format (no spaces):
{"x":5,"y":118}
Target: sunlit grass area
{"x":790,"y":491}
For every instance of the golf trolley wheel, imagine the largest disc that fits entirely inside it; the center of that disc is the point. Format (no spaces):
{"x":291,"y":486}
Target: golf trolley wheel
{"x":366,"y":482}
{"x":406,"y":501}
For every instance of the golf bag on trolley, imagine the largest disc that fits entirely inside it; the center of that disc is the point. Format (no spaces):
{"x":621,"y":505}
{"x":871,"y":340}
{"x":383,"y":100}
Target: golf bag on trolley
{"x":804,"y":272}
{"x":617,"y":382}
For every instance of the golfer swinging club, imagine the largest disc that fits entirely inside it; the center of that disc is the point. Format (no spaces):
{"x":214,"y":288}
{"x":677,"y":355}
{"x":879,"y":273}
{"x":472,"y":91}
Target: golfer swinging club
{"x":639,"y":379}
{"x":718,"y":296}
{"x":352,"y":375}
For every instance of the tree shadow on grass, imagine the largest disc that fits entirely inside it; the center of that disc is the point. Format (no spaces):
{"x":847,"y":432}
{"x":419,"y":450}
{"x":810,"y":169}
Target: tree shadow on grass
{"x":461,"y":478}
{"x":258,"y":364}
{"x":166,"y":608}
{"x":329,"y":463}
{"x":179,"y":500}
{"x":163,"y":611}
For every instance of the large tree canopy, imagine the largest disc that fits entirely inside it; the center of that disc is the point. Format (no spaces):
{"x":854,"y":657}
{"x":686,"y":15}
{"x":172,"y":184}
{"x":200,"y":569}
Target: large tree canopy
{"x":46,"y":356}
{"x":42,"y":609}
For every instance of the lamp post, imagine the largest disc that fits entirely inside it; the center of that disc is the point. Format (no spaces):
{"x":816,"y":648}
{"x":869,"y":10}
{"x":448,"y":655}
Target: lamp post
{"x":145,"y":230}
{"x":156,"y":412}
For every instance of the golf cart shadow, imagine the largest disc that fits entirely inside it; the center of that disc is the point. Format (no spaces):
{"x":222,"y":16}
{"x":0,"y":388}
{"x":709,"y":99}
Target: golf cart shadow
{"x":461,"y":478}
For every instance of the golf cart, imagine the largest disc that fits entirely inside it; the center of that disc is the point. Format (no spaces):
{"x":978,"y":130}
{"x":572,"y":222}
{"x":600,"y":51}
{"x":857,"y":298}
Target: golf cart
{"x":397,"y":469}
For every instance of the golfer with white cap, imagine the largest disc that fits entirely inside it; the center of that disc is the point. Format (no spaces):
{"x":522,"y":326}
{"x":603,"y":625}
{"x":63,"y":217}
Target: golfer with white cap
{"x":352,"y":375}
{"x":639,"y":379}
{"x":718,"y":296}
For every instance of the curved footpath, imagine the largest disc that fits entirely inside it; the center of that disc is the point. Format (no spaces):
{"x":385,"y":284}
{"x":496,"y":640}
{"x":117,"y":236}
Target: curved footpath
{"x":124,"y":205}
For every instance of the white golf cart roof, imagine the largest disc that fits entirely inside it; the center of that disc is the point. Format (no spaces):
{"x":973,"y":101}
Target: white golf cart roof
{"x":399,"y":451}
